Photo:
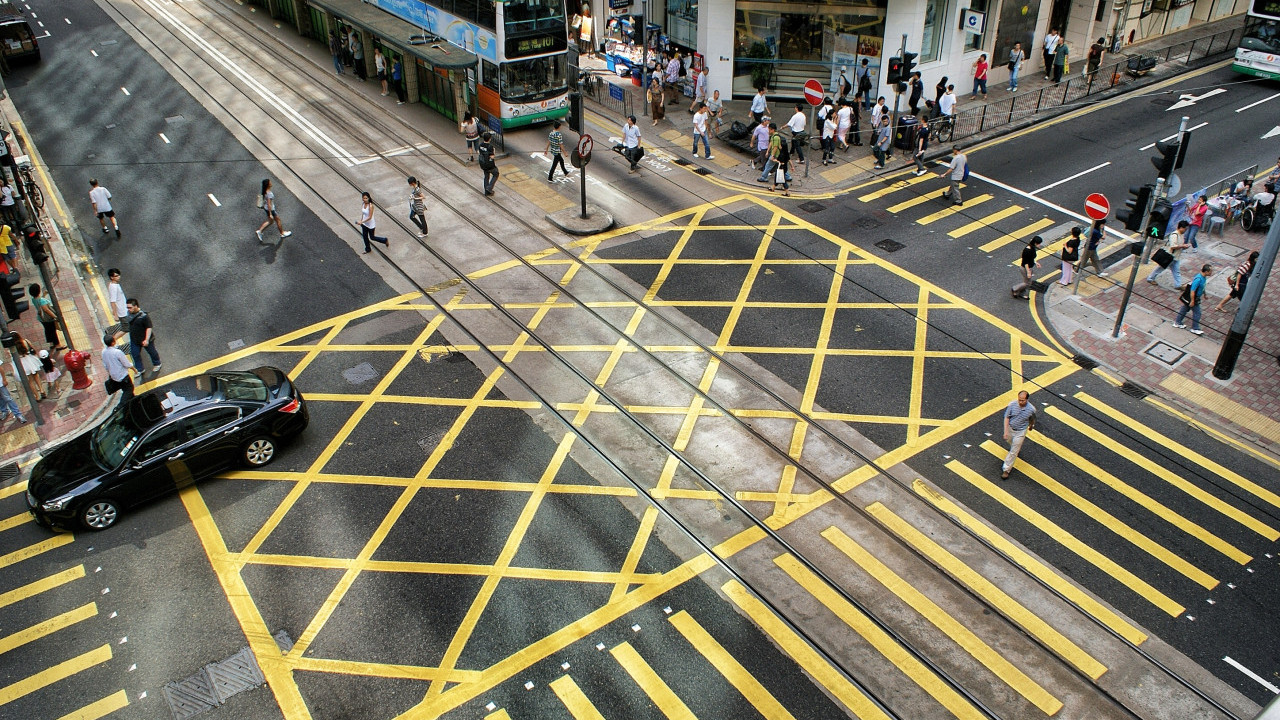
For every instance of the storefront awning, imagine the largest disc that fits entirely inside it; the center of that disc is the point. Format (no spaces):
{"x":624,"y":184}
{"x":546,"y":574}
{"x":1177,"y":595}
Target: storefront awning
{"x":394,"y":31}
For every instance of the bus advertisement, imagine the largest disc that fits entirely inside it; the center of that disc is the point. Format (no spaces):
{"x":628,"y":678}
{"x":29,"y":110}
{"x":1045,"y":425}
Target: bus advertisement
{"x":1259,"y":51}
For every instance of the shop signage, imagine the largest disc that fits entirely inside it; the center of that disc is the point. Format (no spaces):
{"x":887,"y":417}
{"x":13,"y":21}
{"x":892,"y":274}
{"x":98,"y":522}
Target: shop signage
{"x":972,"y":21}
{"x":535,"y":45}
{"x":615,"y":4}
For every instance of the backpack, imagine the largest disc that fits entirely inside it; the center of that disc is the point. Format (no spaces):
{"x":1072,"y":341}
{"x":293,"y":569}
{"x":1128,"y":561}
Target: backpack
{"x":864,"y":82}
{"x":966,"y":173}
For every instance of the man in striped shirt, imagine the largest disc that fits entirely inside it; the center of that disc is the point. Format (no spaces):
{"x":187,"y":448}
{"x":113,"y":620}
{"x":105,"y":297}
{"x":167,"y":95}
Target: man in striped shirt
{"x":555,"y":148}
{"x":1019,"y":419}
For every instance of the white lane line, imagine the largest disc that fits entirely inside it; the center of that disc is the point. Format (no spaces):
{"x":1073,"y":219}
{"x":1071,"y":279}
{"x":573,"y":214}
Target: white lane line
{"x":402,"y":150}
{"x":247,"y":78}
{"x":68,"y":20}
{"x":1073,"y":177}
{"x":1275,"y":690}
{"x":1046,"y":203}
{"x":1171,"y":137}
{"x":124,"y":90}
{"x":1256,"y":104}
{"x":214,"y":200}
{"x":93,"y":53}
{"x":40,"y":23}
{"x":165,"y":139}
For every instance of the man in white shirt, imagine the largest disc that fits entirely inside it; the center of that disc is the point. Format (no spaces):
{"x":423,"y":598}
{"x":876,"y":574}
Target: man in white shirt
{"x":117,"y":300}
{"x":947,"y":105}
{"x":100,"y":198}
{"x":1050,"y":47}
{"x":700,"y":120}
{"x":759,"y":106}
{"x":631,"y":143}
{"x":699,"y":90}
{"x":798,"y":135}
{"x":117,"y":365}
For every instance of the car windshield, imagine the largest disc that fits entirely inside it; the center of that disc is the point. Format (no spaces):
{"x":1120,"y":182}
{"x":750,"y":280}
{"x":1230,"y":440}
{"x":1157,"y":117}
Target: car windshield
{"x":113,"y":439}
{"x":533,"y":80}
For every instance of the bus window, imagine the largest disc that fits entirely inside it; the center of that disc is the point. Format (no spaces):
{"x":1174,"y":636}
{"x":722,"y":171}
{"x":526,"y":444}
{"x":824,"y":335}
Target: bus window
{"x":490,"y":75}
{"x":534,"y":80}
{"x":1261,"y":35}
{"x":526,"y":16}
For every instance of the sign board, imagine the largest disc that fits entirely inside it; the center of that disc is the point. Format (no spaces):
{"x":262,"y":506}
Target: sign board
{"x":617,"y":4}
{"x":585,"y":143}
{"x":972,"y":21}
{"x":1097,"y":207}
{"x":615,"y":92}
{"x":813,"y":92}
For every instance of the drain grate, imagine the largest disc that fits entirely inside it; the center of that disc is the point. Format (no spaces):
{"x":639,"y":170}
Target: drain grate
{"x":1133,"y":390}
{"x":360,"y":374}
{"x":702,"y":171}
{"x":218,"y":682}
{"x":8,"y":472}
{"x":681,"y":161}
{"x":812,"y":206}
{"x":1085,"y":362}
{"x":888,"y":245}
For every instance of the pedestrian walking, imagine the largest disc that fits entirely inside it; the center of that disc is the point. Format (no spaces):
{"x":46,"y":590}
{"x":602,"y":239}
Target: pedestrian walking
{"x":675,"y":70}
{"x":267,"y":201}
{"x":46,"y":315}
{"x":1060,"y":63}
{"x":418,"y":206}
{"x":829,"y":127}
{"x":921,"y":145}
{"x":1096,"y":51}
{"x":1027,"y":268}
{"x":335,"y":49}
{"x":117,"y":365}
{"x":1174,"y":244}
{"x":864,"y":82}
{"x":1091,"y":248}
{"x":8,"y":205}
{"x":846,"y":122}
{"x":1239,"y":279}
{"x":701,"y":118}
{"x":884,"y":138}
{"x":772,"y":153}
{"x":32,"y":369}
{"x":657,"y":100}
{"x":917,"y":92}
{"x":699,"y":90}
{"x":781,"y":173}
{"x":368,"y":223}
{"x":380,"y":67}
{"x":957,"y":170}
{"x":485,"y":152}
{"x":1195,"y":219}
{"x":397,"y":81}
{"x":1070,"y":255}
{"x":142,"y":336}
{"x":980,"y":68}
{"x":938,"y":91}
{"x":1016,"y":56}
{"x":759,"y":105}
{"x":7,"y":404}
{"x":879,"y":110}
{"x":555,"y":149}
{"x":841,"y":88}
{"x":1050,"y":47}
{"x":632,"y":149}
{"x":947,"y":105}
{"x":1192,"y":298}
{"x":100,"y":199}
{"x":799,"y":137}
{"x":760,"y":138}
{"x":470,"y":130}
{"x":1019,"y":419}
{"x":116,"y":300}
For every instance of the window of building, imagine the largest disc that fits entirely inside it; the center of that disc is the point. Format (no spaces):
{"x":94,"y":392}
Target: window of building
{"x":977,"y":41}
{"x":935,"y":23}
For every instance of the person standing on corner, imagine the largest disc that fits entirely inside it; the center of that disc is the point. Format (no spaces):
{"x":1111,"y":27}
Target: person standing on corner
{"x":884,"y":138}
{"x":100,"y":198}
{"x":335,"y":49}
{"x":555,"y":150}
{"x":1016,"y":56}
{"x":46,"y":315}
{"x":798,"y":135}
{"x":418,"y":206}
{"x":1027,"y":268}
{"x":922,"y":144}
{"x":357,"y":56}
{"x":485,"y":153}
{"x":631,"y":147}
{"x":829,"y":139}
{"x":1195,"y":218}
{"x":471,"y":131}
{"x":864,"y":83}
{"x":1070,"y":254}
{"x":917,"y":92}
{"x":657,"y":100}
{"x":980,"y":68}
{"x":760,"y":141}
{"x":947,"y":105}
{"x":142,"y":336}
{"x":380,"y":67}
{"x":1174,"y":244}
{"x":700,"y":130}
{"x":1192,"y":299}
{"x":1050,"y":46}
{"x":956,"y":170}
{"x":117,"y":365}
{"x":268,"y":204}
{"x":368,"y":223}
{"x":1019,"y":419}
{"x":116,"y":299}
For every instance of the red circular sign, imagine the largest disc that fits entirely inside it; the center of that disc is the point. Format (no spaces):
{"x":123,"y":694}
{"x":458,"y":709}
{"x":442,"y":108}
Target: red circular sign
{"x":1097,"y":207}
{"x":813,"y":92}
{"x":584,"y":145}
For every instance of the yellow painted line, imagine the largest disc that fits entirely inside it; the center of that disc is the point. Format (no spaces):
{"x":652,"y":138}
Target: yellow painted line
{"x":32,"y":589}
{"x":728,"y":666}
{"x":917,"y":200}
{"x":101,"y":708}
{"x":1146,"y":501}
{"x":907,"y":663}
{"x":813,"y":663}
{"x":47,"y":627}
{"x":986,"y":221}
{"x":384,"y":670}
{"x":1208,"y":430}
{"x":1166,"y":442}
{"x":1067,"y":540}
{"x":499,"y":714}
{"x":12,"y":522}
{"x":988,"y":591}
{"x":45,"y":180}
{"x":941,"y":619}
{"x":900,"y":185}
{"x":1033,"y":566}
{"x":1109,"y":521}
{"x":1017,"y":235}
{"x":1223,"y":406}
{"x":14,"y":489}
{"x":953,"y":209}
{"x":660,"y":694}
{"x":61,"y":671}
{"x":1165,"y":474}
{"x":883,"y":178}
{"x":575,"y":701}
{"x":31,"y":551}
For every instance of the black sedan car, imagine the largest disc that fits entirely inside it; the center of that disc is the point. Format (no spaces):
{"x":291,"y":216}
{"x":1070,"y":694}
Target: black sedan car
{"x":164,"y":439}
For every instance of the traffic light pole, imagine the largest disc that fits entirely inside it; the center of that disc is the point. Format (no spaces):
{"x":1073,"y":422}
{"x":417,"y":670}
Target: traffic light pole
{"x":9,"y":341}
{"x":1182,"y":138}
{"x":1133,"y":271}
{"x":1231,"y":347}
{"x":897,"y":97}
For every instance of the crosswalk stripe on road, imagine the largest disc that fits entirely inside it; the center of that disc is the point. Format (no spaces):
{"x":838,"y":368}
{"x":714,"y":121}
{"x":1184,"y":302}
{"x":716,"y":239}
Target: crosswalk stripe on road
{"x":1018,"y":235}
{"x":732,"y":670}
{"x":100,"y":708}
{"x":31,"y":551}
{"x":49,"y":676}
{"x":659,"y":692}
{"x":986,"y":221}
{"x":953,"y":209}
{"x":32,"y":589}
{"x":47,"y":627}
{"x":574,"y":700}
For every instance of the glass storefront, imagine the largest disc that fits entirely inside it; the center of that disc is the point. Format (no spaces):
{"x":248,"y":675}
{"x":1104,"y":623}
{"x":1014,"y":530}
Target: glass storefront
{"x":833,"y":33}
{"x":682,"y":23}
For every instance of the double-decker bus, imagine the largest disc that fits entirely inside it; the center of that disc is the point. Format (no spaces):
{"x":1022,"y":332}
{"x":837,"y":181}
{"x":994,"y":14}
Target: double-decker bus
{"x":521,"y":46}
{"x":1259,"y":51}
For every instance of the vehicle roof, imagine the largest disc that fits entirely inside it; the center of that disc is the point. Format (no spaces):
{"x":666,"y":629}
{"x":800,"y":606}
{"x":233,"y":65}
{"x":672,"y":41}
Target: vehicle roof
{"x":181,"y":397}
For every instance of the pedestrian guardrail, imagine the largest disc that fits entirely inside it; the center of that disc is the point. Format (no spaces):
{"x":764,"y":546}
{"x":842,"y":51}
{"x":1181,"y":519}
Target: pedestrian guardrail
{"x":618,"y":99}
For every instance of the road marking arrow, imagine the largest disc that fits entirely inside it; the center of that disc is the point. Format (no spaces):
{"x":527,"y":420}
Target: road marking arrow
{"x":1187,"y":99}
{"x":1272,"y":133}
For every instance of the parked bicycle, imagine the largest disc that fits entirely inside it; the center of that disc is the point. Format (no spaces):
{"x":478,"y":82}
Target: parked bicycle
{"x":29,"y":187}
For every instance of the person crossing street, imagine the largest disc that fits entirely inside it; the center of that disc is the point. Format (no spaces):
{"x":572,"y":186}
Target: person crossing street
{"x":100,"y":198}
{"x":1027,"y":268}
{"x":555,"y":149}
{"x":1019,"y":419}
{"x":956,"y":170}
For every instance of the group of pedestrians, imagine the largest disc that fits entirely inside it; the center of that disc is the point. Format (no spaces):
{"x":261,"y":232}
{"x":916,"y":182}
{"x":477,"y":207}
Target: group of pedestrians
{"x":137,"y":324}
{"x":347,"y":49}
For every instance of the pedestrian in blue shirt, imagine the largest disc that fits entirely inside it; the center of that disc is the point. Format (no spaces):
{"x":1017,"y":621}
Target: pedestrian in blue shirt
{"x":1192,"y":298}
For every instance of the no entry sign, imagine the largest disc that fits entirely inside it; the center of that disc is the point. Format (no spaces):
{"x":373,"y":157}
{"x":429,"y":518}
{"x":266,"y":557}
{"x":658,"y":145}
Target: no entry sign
{"x":813,"y":92}
{"x":1097,"y":207}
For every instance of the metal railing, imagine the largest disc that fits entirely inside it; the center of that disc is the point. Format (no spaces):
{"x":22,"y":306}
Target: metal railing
{"x":616,"y":98}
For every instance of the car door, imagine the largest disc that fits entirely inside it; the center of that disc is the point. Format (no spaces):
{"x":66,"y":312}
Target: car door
{"x":153,"y":466}
{"x":215,"y":436}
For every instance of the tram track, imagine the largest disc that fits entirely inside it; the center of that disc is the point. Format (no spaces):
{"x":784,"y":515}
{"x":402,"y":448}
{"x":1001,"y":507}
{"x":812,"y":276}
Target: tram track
{"x":333,"y":112}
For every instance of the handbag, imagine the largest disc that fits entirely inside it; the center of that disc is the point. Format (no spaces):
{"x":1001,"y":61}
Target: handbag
{"x":1013,"y":65}
{"x":260,"y":201}
{"x":1185,"y":296}
{"x":780,"y":175}
{"x":1162,"y":257}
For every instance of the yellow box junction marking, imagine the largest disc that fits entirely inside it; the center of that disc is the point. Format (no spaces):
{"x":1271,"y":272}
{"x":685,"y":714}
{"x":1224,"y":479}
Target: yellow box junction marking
{"x":659,"y":692}
{"x":745,"y":683}
{"x":575,"y":701}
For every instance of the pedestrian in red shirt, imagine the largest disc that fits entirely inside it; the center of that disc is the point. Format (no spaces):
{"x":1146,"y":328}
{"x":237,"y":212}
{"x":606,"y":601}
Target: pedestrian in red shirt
{"x":980,"y":75}
{"x":1195,"y":219}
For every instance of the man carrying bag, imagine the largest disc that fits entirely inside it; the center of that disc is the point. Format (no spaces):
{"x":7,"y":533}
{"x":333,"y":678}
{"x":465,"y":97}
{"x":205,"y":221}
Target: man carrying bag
{"x":1169,"y":254}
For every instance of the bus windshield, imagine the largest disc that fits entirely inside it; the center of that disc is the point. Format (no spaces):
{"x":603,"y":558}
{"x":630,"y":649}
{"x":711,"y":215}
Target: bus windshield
{"x":1261,"y":35}
{"x":534,"y":80}
{"x":533,"y":16}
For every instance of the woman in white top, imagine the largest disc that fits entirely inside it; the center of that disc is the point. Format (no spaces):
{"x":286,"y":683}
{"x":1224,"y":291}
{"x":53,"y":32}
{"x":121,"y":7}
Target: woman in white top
{"x":380,"y":65}
{"x":8,"y":208}
{"x":844,"y":121}
{"x":829,"y":139}
{"x":368,"y":222}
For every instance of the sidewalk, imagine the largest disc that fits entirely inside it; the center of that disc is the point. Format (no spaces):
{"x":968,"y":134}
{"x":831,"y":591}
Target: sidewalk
{"x":1174,"y":364}
{"x":66,"y":411}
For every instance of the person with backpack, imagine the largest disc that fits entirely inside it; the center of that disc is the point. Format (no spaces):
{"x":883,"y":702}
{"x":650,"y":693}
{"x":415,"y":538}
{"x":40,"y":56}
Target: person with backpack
{"x":958,"y":170}
{"x":842,"y":88}
{"x":1192,"y":298}
{"x":485,"y":152}
{"x":1173,"y":246}
{"x":864,"y":83}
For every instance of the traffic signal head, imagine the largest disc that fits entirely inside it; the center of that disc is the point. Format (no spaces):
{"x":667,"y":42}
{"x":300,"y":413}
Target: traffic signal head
{"x":1139,"y":197}
{"x":901,"y":87}
{"x":12,"y":297}
{"x":894,"y":72}
{"x":1167,"y":160}
{"x":35,"y":244}
{"x":1158,"y":220}
{"x":908,"y":63}
{"x":575,"y":112}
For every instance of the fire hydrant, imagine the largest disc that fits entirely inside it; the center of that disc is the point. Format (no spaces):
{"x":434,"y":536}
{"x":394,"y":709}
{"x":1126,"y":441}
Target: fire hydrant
{"x":76,"y":362}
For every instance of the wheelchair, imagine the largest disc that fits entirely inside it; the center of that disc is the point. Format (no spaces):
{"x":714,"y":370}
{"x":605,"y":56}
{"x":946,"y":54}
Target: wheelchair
{"x":1258,"y":217}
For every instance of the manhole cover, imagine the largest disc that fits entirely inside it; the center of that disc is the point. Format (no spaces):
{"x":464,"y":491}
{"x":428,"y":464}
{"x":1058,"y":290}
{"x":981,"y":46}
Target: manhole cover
{"x":812,"y":206}
{"x":1133,"y":390}
{"x":1166,"y":353}
{"x":866,"y":223}
{"x":702,"y":171}
{"x":1085,"y":362}
{"x":681,"y":161}
{"x":218,"y":682}
{"x":888,"y":245}
{"x":360,"y":374}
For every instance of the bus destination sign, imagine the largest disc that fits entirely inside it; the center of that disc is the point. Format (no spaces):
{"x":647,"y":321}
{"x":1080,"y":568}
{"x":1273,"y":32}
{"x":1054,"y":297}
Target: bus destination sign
{"x":535,"y":45}
{"x":1267,"y":8}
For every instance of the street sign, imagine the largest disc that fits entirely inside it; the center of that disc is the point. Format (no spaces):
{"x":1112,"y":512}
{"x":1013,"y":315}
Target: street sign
{"x":1097,"y":207}
{"x":584,"y":145}
{"x":615,"y":92}
{"x":813,"y":92}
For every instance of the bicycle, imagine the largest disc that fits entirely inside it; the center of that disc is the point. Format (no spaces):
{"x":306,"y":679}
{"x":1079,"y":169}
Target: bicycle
{"x":29,"y":186}
{"x":943,"y":128}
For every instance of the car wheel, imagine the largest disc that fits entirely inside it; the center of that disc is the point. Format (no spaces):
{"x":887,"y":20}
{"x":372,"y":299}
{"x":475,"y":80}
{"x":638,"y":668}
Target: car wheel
{"x":99,"y":514}
{"x":259,"y":452}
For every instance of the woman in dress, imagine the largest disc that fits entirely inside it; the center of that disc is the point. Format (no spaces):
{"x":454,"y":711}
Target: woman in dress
{"x":844,"y":120}
{"x":32,"y":369}
{"x":657,"y":108}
